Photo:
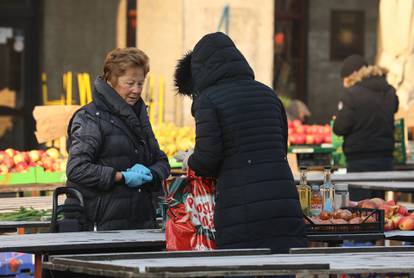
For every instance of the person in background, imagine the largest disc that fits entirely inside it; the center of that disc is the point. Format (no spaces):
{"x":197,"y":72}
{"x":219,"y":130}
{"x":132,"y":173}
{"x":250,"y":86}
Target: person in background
{"x":114,"y":158}
{"x":365,"y":118}
{"x":241,"y":139}
{"x":297,"y":110}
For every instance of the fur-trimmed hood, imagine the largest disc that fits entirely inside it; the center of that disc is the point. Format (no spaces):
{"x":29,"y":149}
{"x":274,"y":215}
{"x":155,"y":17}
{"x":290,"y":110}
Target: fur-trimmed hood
{"x":364,"y":73}
{"x":215,"y":59}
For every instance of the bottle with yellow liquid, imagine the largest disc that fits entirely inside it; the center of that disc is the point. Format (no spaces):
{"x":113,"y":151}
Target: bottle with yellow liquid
{"x":304,"y":191}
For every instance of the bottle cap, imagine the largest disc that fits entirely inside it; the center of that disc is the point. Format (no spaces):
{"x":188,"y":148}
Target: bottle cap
{"x":341,"y":187}
{"x":315,"y":187}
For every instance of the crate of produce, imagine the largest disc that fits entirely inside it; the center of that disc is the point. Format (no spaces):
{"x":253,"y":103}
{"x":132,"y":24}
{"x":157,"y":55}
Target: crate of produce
{"x":15,"y":263}
{"x":19,"y":178}
{"x":49,"y":177}
{"x":346,"y":221}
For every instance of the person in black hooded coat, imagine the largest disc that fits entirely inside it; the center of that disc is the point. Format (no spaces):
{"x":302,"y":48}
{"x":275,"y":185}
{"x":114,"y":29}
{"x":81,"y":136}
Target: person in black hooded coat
{"x":114,"y":158}
{"x":365,"y":118}
{"x":241,"y":139}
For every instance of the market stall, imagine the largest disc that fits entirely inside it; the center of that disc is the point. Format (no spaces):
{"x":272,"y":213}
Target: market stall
{"x":251,"y":265}
{"x":82,"y":242}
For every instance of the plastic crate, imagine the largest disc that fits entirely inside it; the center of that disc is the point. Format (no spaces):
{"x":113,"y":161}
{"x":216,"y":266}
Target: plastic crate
{"x":363,"y":227}
{"x":19,"y":178}
{"x":14,"y":263}
{"x":49,"y":177}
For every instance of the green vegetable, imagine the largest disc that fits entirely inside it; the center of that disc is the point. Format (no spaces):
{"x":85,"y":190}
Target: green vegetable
{"x":26,"y":214}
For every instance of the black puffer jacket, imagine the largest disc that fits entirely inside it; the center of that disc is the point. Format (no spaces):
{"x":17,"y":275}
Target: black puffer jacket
{"x":106,"y":136}
{"x":366,"y":116}
{"x":241,"y":134}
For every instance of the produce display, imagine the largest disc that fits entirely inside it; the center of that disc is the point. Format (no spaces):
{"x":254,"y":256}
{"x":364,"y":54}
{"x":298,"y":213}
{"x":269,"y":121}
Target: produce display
{"x":343,"y":216}
{"x":395,"y":216}
{"x":13,"y":161}
{"x":173,"y":138}
{"x":300,"y":134}
{"x":27,"y":214}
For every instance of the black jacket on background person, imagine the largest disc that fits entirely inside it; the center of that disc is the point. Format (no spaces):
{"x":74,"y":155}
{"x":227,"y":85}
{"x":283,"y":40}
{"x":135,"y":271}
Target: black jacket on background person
{"x":106,"y":136}
{"x":241,"y":139}
{"x":366,"y":118}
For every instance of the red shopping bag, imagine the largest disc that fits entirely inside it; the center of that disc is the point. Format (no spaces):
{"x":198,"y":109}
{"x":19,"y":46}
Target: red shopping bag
{"x":190,"y":213}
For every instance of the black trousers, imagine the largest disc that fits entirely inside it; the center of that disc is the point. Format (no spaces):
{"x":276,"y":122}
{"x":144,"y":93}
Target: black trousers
{"x":368,"y":165}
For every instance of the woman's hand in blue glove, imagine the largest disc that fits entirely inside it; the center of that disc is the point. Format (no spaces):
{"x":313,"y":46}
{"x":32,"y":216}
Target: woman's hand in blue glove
{"x":140,"y":169}
{"x":135,"y":180}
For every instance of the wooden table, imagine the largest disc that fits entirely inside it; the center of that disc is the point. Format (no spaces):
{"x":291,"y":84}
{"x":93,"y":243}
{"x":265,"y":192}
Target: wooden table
{"x":248,"y":265}
{"x":363,"y":176}
{"x":82,"y":242}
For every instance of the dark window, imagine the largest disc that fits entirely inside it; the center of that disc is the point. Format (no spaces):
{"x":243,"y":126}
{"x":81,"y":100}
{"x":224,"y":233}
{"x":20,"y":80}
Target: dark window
{"x":347,"y":34}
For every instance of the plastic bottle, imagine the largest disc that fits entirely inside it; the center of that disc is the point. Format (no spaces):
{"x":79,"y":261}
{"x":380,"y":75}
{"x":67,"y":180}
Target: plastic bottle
{"x":304,"y":191}
{"x":341,"y":195}
{"x":316,"y":201}
{"x":328,"y":191}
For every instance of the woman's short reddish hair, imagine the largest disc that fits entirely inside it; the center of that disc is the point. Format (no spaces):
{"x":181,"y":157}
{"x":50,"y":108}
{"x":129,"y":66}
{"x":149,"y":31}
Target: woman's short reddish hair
{"x":120,"y":59}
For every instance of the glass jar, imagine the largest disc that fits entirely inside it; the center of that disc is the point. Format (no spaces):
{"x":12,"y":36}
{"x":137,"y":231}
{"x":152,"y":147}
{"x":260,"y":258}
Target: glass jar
{"x":341,"y":195}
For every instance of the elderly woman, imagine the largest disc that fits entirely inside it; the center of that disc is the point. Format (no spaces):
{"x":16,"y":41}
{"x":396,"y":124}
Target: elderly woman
{"x":241,"y":139}
{"x":114,"y":159}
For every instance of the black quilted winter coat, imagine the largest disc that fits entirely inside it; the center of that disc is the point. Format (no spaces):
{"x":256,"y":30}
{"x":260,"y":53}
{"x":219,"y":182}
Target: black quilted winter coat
{"x":241,"y":139}
{"x":106,"y":136}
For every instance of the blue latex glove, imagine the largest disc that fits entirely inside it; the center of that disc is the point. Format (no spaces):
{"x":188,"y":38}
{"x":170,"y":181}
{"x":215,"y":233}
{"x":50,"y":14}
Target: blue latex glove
{"x":135,"y":180}
{"x":140,"y":169}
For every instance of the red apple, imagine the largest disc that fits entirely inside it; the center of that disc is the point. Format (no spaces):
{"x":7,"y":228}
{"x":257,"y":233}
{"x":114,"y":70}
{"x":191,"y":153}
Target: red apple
{"x":3,"y":169}
{"x":300,"y":139}
{"x":327,"y":129}
{"x":388,"y":210}
{"x":390,"y":202}
{"x":21,"y":167}
{"x":388,"y":225}
{"x":292,"y":138}
{"x":53,"y":153}
{"x":406,"y":224}
{"x":8,"y":161}
{"x":21,"y":157}
{"x":402,"y":210}
{"x":10,"y":152}
{"x":34,"y":155}
{"x":300,"y":129}
{"x":378,"y":201}
{"x":290,"y":124}
{"x":328,"y":139}
{"x":2,"y":156}
{"x":396,"y":220}
{"x":310,"y":140}
{"x":318,"y":139}
{"x":47,"y":162}
{"x":296,"y":123}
